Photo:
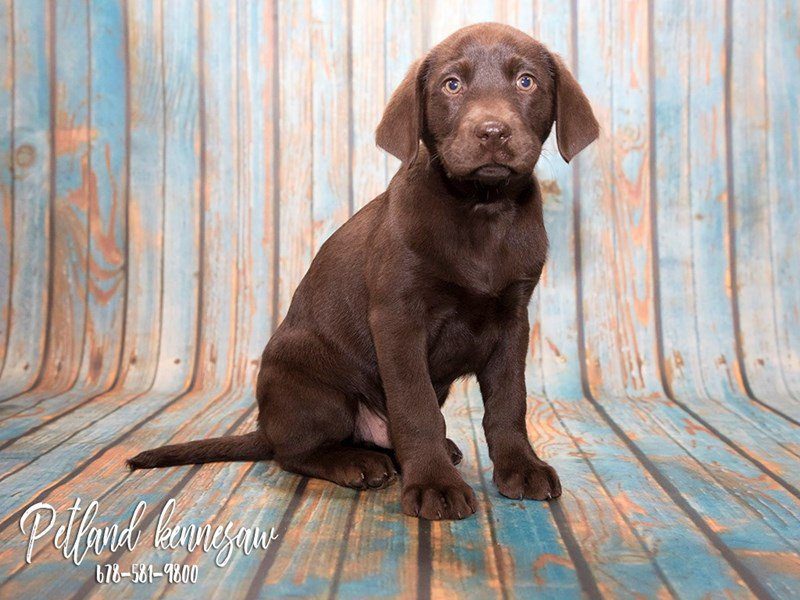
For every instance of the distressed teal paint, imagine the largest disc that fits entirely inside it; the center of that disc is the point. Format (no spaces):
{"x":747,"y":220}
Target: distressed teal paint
{"x":6,"y":198}
{"x":31,"y":159}
{"x":248,"y":135}
{"x":369,"y":95}
{"x":557,"y":344}
{"x":257,"y":130}
{"x":221,"y":197}
{"x":146,"y":201}
{"x":782,"y":55}
{"x":296,"y":110}
{"x":107,"y":212}
{"x":182,"y":196}
{"x":330,"y":115}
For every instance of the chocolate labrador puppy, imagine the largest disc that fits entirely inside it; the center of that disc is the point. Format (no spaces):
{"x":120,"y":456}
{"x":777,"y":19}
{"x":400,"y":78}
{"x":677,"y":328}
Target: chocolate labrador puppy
{"x":427,"y":283}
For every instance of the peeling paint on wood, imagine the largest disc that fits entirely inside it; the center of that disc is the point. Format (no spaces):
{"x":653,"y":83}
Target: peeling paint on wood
{"x":168,"y":169}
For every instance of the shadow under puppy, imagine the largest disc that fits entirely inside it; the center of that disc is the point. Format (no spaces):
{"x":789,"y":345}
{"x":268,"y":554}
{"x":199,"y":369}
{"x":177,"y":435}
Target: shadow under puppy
{"x":427,"y":283}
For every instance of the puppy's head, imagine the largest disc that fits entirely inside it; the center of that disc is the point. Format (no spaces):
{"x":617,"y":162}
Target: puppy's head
{"x":484,"y":101}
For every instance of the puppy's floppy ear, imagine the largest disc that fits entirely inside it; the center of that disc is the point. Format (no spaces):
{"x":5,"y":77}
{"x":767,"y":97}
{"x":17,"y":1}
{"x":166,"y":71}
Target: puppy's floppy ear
{"x":400,"y":128}
{"x":576,"y":126}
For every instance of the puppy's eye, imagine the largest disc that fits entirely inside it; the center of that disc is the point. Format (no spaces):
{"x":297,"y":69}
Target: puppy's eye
{"x":525,"y":82}
{"x":452,"y":86}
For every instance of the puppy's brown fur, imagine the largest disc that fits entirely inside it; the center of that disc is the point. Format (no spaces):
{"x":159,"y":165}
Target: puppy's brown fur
{"x":428,"y":283}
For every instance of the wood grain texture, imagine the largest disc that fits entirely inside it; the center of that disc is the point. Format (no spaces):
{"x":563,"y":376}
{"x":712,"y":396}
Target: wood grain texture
{"x":27,"y":280}
{"x":6,"y":172}
{"x":169,"y":168}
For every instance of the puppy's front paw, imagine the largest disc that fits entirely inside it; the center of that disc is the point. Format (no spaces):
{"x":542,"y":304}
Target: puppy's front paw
{"x":438,"y":500}
{"x":531,"y":479}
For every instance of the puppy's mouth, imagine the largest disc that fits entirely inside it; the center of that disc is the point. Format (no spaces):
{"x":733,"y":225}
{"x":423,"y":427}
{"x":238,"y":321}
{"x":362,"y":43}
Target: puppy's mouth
{"x":492,"y":173}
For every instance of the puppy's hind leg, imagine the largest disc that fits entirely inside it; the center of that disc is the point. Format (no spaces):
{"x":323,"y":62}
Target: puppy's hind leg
{"x":310,"y":428}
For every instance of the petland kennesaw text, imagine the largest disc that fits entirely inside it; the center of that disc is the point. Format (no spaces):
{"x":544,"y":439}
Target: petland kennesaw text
{"x":77,"y":537}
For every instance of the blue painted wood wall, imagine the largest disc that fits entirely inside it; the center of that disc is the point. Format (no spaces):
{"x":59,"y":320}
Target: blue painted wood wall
{"x":168,"y":168}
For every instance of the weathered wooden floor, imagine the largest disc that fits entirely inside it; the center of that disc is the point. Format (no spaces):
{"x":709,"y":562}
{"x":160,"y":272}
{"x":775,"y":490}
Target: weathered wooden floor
{"x":169,"y":168}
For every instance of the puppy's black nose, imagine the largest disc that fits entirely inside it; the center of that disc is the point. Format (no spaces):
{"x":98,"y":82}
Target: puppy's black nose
{"x":493,"y":133}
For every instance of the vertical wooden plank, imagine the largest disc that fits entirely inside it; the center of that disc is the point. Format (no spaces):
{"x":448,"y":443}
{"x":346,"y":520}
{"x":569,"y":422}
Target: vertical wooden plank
{"x":619,"y":512}
{"x":31,"y":194}
{"x":749,"y":165}
{"x":557,"y":339}
{"x":108,"y":195}
{"x":368,"y":91}
{"x":74,"y":186}
{"x":595,"y":183}
{"x":330,"y":30}
{"x":783,"y":147}
{"x":443,"y":19}
{"x":182,"y":193}
{"x":296,"y":147}
{"x":708,"y":196}
{"x":257,"y":164}
{"x":6,"y":197}
{"x":146,"y":202}
{"x":659,"y":416}
{"x":672,"y":186}
{"x":616,"y":225}
{"x":220,"y":277}
{"x":540,"y":567}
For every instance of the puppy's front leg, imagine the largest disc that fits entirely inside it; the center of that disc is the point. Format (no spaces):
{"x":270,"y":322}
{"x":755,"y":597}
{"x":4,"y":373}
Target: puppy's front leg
{"x":432,"y":487}
{"x":518,"y":472}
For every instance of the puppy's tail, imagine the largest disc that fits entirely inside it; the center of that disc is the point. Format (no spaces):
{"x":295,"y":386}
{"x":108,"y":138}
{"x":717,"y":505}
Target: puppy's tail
{"x":250,"y":446}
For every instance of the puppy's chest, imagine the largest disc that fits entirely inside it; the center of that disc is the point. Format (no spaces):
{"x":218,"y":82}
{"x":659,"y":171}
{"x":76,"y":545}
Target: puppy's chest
{"x":464,"y":326}
{"x":488,"y":267}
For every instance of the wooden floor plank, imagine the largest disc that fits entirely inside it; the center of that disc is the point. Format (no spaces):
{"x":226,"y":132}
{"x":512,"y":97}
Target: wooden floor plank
{"x":752,"y":518}
{"x":381,"y":556}
{"x":103,"y":475}
{"x":522,"y":567}
{"x":623,"y":487}
{"x":278,"y":493}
